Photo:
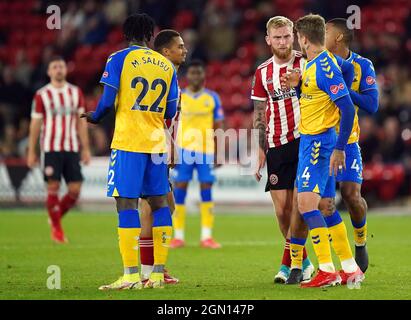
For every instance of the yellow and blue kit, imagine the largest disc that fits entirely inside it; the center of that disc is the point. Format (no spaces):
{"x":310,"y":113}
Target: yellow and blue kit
{"x":146,"y":89}
{"x":195,"y":137}
{"x":364,"y":93}
{"x":324,"y":94}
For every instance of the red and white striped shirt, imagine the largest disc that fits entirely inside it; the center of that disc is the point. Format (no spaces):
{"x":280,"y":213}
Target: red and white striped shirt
{"x":59,"y":108}
{"x":283,"y":109}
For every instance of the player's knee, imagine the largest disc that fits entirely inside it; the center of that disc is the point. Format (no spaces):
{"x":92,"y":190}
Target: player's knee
{"x":157,"y":202}
{"x":125,"y":204}
{"x":53,"y":187}
{"x":351,"y":195}
{"x":181,"y":185}
{"x":327,"y":206}
{"x":171,"y":202}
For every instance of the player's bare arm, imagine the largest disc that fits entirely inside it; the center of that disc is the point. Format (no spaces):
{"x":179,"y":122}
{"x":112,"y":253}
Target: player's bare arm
{"x":84,"y":140}
{"x":260,"y":125}
{"x":35,"y":128}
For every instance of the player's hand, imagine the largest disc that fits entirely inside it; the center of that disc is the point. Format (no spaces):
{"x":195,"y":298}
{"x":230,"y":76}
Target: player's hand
{"x":31,"y":160}
{"x":290,"y":79}
{"x":89,"y":117}
{"x":337,"y":161}
{"x":260,"y":164}
{"x":85,"y":156}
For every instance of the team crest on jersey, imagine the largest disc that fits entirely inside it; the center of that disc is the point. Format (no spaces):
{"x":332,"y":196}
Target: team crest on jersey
{"x":105,"y":74}
{"x":370,"y":80}
{"x":273,"y":179}
{"x":335,"y":88}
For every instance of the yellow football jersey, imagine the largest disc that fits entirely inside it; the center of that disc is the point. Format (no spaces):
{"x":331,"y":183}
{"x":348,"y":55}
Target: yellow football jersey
{"x":145,"y":81}
{"x":364,"y":79}
{"x":322,"y":84}
{"x":196,"y":127}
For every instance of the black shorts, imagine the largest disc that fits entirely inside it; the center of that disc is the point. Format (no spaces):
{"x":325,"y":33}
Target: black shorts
{"x":66,"y":164}
{"x":282,"y":165}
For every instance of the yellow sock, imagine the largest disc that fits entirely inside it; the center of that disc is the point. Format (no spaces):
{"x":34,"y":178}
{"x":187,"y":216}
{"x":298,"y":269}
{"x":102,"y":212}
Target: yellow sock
{"x":161,"y":240}
{"x":128,"y":242}
{"x":360,"y":235}
{"x":162,"y":231}
{"x":207,"y":214}
{"x":339,"y":241}
{"x":179,"y":217}
{"x":321,"y":245}
{"x":296,"y":251}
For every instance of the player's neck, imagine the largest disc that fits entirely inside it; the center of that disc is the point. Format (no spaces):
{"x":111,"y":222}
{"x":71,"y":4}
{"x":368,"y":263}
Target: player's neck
{"x":313,"y":51}
{"x":343,"y":52}
{"x":135,"y":43}
{"x":195,"y":89}
{"x":58,"y":84}
{"x":278,"y":60}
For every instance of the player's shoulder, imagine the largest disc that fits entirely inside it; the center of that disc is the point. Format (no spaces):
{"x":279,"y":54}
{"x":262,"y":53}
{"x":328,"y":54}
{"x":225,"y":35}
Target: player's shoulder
{"x":119,"y":54}
{"x":43,"y":89}
{"x":265,"y":64}
{"x":73,"y":87}
{"x":362,"y":61}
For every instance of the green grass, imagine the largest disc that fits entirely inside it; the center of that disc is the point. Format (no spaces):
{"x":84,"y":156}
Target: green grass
{"x":243,"y":269}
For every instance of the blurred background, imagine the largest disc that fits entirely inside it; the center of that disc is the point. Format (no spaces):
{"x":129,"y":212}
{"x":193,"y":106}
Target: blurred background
{"x":229,"y":36}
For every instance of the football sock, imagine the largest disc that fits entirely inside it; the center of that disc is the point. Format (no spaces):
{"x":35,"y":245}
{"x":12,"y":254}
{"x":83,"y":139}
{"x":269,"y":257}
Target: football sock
{"x":53,"y":207}
{"x":207,"y":215}
{"x":297,"y":249}
{"x":146,"y":256}
{"x":162,"y":230}
{"x":286,"y":260}
{"x":339,"y":241}
{"x":129,"y":229}
{"x":360,"y":232}
{"x":68,"y":202}
{"x":320,"y":239}
{"x":179,"y":216}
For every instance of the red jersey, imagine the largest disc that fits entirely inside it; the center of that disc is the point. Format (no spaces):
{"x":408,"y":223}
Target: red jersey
{"x":282,"y":109}
{"x":59,"y":108}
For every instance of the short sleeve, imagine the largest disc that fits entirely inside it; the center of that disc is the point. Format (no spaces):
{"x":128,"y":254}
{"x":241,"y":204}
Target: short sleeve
{"x":37,"y":107}
{"x":112,"y":72}
{"x":330,"y":79}
{"x":258,"y":91}
{"x":218,"y":113}
{"x":368,"y":77}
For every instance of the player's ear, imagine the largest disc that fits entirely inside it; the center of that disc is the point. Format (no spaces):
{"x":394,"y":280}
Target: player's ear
{"x":339,"y":38}
{"x":267,"y":39}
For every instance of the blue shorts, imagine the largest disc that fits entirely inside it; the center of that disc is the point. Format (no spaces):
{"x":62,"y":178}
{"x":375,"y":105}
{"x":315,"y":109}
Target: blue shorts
{"x":353,"y":163}
{"x":314,"y":164}
{"x":132,"y":174}
{"x":202,"y":162}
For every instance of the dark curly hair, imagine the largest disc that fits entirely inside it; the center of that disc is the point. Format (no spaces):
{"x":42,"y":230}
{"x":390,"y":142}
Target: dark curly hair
{"x":138,"y":27}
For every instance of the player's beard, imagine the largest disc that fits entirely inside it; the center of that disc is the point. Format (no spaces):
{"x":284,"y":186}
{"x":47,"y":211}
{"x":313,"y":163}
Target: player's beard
{"x":282,"y":54}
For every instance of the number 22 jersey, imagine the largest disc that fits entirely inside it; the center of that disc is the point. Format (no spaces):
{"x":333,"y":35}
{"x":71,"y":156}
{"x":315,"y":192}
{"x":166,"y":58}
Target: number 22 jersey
{"x":145,"y":82}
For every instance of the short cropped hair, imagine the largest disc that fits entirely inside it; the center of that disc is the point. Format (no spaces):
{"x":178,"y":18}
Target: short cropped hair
{"x":164,"y":39}
{"x":312,"y":26}
{"x":54,"y":59}
{"x":341,"y":24}
{"x":196,"y":63}
{"x":278,"y":22}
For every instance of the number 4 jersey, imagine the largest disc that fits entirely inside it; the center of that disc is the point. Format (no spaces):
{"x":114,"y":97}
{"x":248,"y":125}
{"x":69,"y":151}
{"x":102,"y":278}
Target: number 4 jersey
{"x":146,"y":82}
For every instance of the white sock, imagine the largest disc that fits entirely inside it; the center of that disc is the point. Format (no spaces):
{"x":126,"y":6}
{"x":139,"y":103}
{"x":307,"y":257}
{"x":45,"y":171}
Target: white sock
{"x":349,"y":265}
{"x":327,"y":267}
{"x":146,"y":270}
{"x":179,"y":234}
{"x":205,"y":233}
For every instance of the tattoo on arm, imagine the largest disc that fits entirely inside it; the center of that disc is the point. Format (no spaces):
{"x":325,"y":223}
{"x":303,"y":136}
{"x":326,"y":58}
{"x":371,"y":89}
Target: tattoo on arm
{"x":259,"y":122}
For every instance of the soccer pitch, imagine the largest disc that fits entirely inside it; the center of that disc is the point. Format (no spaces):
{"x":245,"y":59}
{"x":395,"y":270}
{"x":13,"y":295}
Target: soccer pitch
{"x":243,"y":269}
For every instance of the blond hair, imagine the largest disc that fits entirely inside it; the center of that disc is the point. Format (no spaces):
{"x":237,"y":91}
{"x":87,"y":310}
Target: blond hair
{"x":278,"y":22}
